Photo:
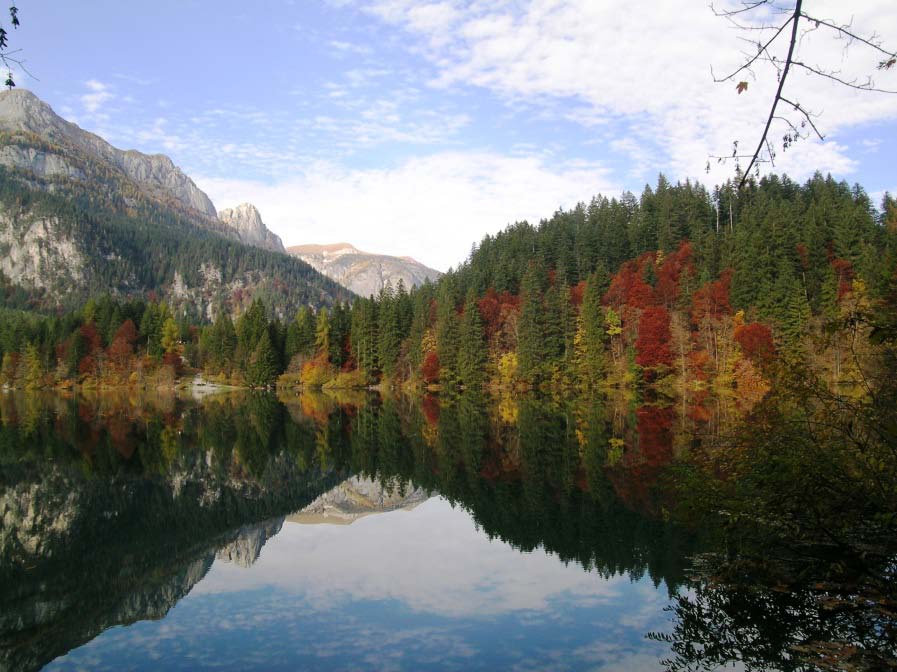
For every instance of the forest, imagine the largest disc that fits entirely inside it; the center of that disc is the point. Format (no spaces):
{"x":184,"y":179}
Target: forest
{"x":680,"y":289}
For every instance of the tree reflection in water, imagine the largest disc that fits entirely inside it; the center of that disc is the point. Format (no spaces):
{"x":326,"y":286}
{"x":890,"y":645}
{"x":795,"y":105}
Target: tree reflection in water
{"x":117,"y":507}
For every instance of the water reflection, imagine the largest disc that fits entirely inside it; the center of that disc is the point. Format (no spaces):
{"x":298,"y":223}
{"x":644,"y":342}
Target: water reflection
{"x":471,"y":524}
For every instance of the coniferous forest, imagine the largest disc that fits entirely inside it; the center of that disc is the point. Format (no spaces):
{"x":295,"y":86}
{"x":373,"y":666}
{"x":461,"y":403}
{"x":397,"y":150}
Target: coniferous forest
{"x":679,"y":289}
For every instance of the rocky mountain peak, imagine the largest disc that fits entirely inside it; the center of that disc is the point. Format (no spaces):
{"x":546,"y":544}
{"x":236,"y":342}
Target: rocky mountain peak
{"x":22,"y":110}
{"x":246,"y":221}
{"x":362,"y":272}
{"x":156,"y":174}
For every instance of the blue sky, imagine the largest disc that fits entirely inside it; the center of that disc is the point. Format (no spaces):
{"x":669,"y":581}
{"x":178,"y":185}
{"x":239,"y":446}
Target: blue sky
{"x":417,"y":126}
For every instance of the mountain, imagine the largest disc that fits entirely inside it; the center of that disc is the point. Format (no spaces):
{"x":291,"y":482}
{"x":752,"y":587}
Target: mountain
{"x":246,"y":221}
{"x":79,"y":217}
{"x":362,"y":272}
{"x":356,"y":498}
{"x":21,"y":111}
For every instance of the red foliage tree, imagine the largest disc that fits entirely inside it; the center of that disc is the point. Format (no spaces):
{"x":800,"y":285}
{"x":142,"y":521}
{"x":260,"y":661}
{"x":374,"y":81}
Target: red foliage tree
{"x":712,"y":300}
{"x":490,"y":311}
{"x":653,"y":343}
{"x":844,"y":272}
{"x":122,"y":347}
{"x":756,"y":342}
{"x":576,"y":293}
{"x":172,"y":359}
{"x":430,"y":368}
{"x":670,"y":273}
{"x":628,"y":286}
{"x":430,"y":407}
{"x":91,"y":337}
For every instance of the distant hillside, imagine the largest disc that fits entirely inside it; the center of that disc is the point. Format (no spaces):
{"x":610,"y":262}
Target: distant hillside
{"x":79,"y":217}
{"x":362,"y":272}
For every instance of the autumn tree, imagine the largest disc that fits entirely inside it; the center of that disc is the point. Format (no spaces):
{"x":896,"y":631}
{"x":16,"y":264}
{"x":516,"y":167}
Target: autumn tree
{"x":653,"y":343}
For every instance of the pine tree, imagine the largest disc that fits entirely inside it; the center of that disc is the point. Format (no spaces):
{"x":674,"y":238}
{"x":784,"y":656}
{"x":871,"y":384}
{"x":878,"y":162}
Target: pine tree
{"x":447,"y":337}
{"x":531,"y":350}
{"x":389,"y":338}
{"x":591,"y":333}
{"x":249,"y":329}
{"x":262,"y":366}
{"x":472,"y":345}
{"x":322,"y":332}
{"x":32,"y":368}
{"x":301,"y":334}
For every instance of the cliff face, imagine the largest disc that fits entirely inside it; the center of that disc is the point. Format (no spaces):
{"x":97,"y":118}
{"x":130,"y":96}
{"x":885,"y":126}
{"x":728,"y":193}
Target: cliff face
{"x":22,"y":111}
{"x":246,"y":221}
{"x":362,"y":272}
{"x":246,"y":548}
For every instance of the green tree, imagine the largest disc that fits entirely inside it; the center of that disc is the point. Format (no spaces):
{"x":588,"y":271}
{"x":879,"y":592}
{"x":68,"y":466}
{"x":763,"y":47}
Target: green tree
{"x":33,"y":370}
{"x":262,"y":366}
{"x":472,"y":345}
{"x":591,"y":333}
{"x":170,"y":336}
{"x":322,"y":332}
{"x":531,"y":350}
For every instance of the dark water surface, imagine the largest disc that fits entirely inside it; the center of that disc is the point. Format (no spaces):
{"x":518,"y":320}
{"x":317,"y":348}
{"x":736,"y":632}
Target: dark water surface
{"x":247,"y":533}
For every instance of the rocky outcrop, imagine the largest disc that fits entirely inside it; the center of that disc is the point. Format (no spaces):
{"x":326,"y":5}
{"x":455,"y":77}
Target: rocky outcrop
{"x":156,"y":174}
{"x":35,"y":253}
{"x":246,"y":548}
{"x":356,"y":498}
{"x":246,"y":221}
{"x":362,"y":272}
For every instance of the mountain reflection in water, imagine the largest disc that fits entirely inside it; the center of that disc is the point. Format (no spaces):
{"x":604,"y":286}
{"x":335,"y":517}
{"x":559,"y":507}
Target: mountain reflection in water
{"x":322,"y":533}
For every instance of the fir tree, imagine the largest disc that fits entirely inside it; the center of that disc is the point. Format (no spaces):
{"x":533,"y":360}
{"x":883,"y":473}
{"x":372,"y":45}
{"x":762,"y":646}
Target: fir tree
{"x":262,"y":366}
{"x":531,"y":350}
{"x":472,"y":345}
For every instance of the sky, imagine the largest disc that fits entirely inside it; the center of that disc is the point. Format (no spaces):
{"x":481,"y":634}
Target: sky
{"x":415,"y":127}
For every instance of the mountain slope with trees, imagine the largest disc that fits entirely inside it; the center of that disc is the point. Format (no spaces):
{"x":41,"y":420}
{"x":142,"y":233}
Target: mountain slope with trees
{"x":79,"y":218}
{"x":681,"y":289}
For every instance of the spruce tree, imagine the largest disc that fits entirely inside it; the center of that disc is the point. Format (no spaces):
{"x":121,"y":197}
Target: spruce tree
{"x":531,"y":350}
{"x":472,"y":345}
{"x":389,"y":338}
{"x":447,"y":336}
{"x":592,"y":332}
{"x":262,"y":366}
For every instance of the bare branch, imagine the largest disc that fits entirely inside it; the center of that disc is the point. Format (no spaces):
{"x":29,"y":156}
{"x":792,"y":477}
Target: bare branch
{"x":760,"y":50}
{"x":772,"y":112}
{"x":868,"y":85}
{"x":853,"y":36}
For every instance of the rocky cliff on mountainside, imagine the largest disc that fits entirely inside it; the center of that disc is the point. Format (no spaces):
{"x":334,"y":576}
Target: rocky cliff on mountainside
{"x":246,"y":548}
{"x":21,"y":111}
{"x":247,"y":222}
{"x":362,"y":272}
{"x":79,"y":218}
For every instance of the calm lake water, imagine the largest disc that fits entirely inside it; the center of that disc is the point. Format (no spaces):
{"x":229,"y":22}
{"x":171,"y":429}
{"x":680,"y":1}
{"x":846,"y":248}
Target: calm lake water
{"x":351,"y":534}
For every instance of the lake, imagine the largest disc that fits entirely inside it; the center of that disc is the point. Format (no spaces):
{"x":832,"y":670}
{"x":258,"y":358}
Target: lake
{"x":354,"y":533}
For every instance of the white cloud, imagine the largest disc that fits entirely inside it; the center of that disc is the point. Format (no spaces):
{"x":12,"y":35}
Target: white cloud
{"x":649,"y":68}
{"x":99,"y":95}
{"x":438,"y":563}
{"x":431,"y":208}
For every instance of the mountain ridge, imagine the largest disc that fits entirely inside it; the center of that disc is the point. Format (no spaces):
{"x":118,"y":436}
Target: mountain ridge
{"x":364,"y":273}
{"x":79,"y":218}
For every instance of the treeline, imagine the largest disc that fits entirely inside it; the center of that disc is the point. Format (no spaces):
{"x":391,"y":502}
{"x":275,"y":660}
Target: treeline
{"x":678,"y":283}
{"x":679,"y":288}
